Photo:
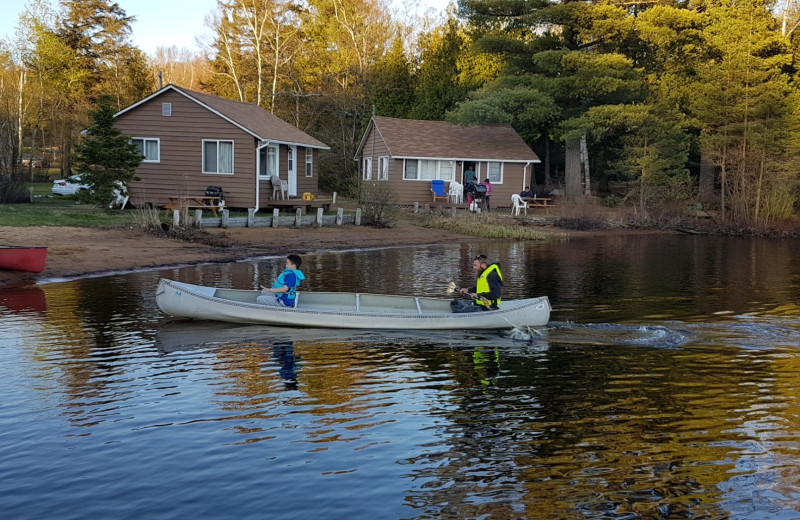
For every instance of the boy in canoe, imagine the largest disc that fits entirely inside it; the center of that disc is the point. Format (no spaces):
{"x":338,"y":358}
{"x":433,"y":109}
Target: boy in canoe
{"x":284,"y":289}
{"x":487,"y":290}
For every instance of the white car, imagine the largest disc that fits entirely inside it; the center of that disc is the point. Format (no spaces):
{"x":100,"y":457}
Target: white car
{"x":69,"y":186}
{"x":72,"y":185}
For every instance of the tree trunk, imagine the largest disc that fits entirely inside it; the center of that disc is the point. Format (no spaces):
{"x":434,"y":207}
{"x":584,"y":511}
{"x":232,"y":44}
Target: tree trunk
{"x":722,"y":182}
{"x":706,"y":181}
{"x":587,"y":183}
{"x":548,"y":180}
{"x":572,"y":169}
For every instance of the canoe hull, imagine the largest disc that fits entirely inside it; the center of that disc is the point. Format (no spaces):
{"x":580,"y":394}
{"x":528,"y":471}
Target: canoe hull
{"x":343,"y":310}
{"x":29,"y":259}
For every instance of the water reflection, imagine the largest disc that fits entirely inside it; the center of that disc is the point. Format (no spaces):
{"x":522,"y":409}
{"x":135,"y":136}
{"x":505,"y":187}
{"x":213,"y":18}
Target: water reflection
{"x":664,"y":388}
{"x":29,"y":299}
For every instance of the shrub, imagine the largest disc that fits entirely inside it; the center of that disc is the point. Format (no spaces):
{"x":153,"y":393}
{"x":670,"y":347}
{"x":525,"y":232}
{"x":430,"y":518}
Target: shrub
{"x":12,"y":189}
{"x":379,"y":204}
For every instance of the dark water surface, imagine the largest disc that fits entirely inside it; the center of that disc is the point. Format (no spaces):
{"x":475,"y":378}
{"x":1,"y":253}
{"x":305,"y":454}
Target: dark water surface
{"x":665,"y":387}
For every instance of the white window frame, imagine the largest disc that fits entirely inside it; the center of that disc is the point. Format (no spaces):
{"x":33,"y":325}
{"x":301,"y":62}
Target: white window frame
{"x":269,"y":173}
{"x":367,"y":173}
{"x":383,"y":168}
{"x":489,"y":172}
{"x":437,"y":175}
{"x":405,"y":170}
{"x":203,"y":156}
{"x":309,"y":162}
{"x":166,"y":109}
{"x":144,"y":141}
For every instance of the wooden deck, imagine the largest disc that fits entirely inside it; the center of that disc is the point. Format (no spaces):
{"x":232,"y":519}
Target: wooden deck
{"x":305,"y":205}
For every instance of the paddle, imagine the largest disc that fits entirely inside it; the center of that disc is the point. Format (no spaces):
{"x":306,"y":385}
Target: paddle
{"x":451,"y":287}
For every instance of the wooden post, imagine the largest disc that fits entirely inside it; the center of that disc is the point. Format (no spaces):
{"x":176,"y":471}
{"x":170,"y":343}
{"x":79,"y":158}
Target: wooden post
{"x":416,"y":207}
{"x":225,"y":216}
{"x":298,"y":217}
{"x":198,"y":217}
{"x":31,"y":194}
{"x":427,"y":208}
{"x":339,"y":216}
{"x":320,"y":211}
{"x":334,"y":198}
{"x":176,"y":218}
{"x":251,"y":217}
{"x":358,"y":216}
{"x":275,"y":214}
{"x":453,"y":209}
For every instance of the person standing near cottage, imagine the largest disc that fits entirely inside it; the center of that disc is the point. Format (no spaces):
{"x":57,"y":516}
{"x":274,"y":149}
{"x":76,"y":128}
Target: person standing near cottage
{"x":284,"y":289}
{"x":469,"y":185}
{"x":487,"y":197}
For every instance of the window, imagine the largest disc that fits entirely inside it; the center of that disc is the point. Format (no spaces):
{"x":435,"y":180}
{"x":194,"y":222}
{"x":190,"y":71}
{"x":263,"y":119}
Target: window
{"x":290,"y":158}
{"x":217,"y":156}
{"x":447,"y":170}
{"x":494,"y":172}
{"x":428,"y":170}
{"x":149,"y":148}
{"x":410,"y":167}
{"x":268,"y":161}
{"x":383,"y":168}
{"x":309,"y":162}
{"x":367,"y":168}
{"x":166,"y":109}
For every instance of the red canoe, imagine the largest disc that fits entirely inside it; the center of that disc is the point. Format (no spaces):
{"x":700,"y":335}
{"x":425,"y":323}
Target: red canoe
{"x":19,"y":258}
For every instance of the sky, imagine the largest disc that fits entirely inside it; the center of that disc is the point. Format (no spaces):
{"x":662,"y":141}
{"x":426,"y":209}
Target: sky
{"x":159,"y":23}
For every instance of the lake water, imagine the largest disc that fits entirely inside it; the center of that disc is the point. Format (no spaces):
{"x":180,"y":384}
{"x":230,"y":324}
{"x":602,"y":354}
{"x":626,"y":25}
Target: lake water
{"x":665,"y":386}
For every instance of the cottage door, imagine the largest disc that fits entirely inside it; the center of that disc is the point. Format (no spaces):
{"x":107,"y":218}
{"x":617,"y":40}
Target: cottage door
{"x":292,"y":177}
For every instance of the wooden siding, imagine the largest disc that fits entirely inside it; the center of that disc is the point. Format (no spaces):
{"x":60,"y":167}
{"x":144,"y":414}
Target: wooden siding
{"x":180,"y":170}
{"x":304,"y":184}
{"x":410,"y":191}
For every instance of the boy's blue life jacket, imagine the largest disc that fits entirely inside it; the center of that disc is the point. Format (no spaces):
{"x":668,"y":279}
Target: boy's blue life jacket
{"x":283,"y":279}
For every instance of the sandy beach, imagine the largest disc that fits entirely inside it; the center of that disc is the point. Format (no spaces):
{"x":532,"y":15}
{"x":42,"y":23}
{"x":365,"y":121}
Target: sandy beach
{"x":74,"y":251}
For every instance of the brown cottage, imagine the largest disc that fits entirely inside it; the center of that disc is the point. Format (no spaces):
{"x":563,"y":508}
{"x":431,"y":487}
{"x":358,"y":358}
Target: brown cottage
{"x":409,"y":154}
{"x":192,"y":140}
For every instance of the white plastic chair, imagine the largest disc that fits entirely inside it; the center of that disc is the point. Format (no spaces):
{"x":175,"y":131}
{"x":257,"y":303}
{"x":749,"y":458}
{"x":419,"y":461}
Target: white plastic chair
{"x":456,"y":192}
{"x":279,"y":187}
{"x":518,"y":204}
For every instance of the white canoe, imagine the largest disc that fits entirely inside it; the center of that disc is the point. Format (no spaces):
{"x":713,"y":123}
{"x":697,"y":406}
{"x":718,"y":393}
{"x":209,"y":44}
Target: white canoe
{"x":343,"y":310}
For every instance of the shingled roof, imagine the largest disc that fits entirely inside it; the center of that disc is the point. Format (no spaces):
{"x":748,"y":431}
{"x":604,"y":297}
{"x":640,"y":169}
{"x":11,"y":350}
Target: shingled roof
{"x":412,"y":138}
{"x":249,"y":117}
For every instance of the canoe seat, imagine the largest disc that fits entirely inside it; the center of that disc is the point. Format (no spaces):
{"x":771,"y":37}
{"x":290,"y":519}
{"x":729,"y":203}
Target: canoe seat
{"x":327,"y":301}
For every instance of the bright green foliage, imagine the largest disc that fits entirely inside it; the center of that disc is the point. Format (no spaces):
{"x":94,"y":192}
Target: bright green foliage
{"x":512,"y":101}
{"x":390,"y":84}
{"x":746,"y":104}
{"x":105,"y":157}
{"x":438,"y":85}
{"x":652,"y":145}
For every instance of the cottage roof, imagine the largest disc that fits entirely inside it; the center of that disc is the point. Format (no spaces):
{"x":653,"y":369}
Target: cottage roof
{"x":411,"y":138}
{"x":249,"y":117}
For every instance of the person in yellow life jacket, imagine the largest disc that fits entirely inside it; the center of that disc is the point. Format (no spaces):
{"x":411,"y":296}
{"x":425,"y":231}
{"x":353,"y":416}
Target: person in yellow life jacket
{"x":485,"y":295}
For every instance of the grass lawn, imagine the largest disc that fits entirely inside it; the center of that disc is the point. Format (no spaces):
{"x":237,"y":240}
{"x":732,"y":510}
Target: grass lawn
{"x":52,"y":210}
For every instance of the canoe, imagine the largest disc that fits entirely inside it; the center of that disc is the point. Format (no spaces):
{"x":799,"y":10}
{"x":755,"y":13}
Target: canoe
{"x":20,"y":258}
{"x":343,"y":310}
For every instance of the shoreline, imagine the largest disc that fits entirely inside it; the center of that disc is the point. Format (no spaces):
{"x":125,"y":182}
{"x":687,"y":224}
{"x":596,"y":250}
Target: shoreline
{"x":75,"y":252}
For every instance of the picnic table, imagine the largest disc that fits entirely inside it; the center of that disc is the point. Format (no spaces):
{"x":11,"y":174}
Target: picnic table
{"x":187,"y":202}
{"x":539,"y":202}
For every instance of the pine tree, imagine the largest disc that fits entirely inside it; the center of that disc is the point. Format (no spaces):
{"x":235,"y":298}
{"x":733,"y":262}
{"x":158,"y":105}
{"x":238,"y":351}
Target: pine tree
{"x":106,"y":157}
